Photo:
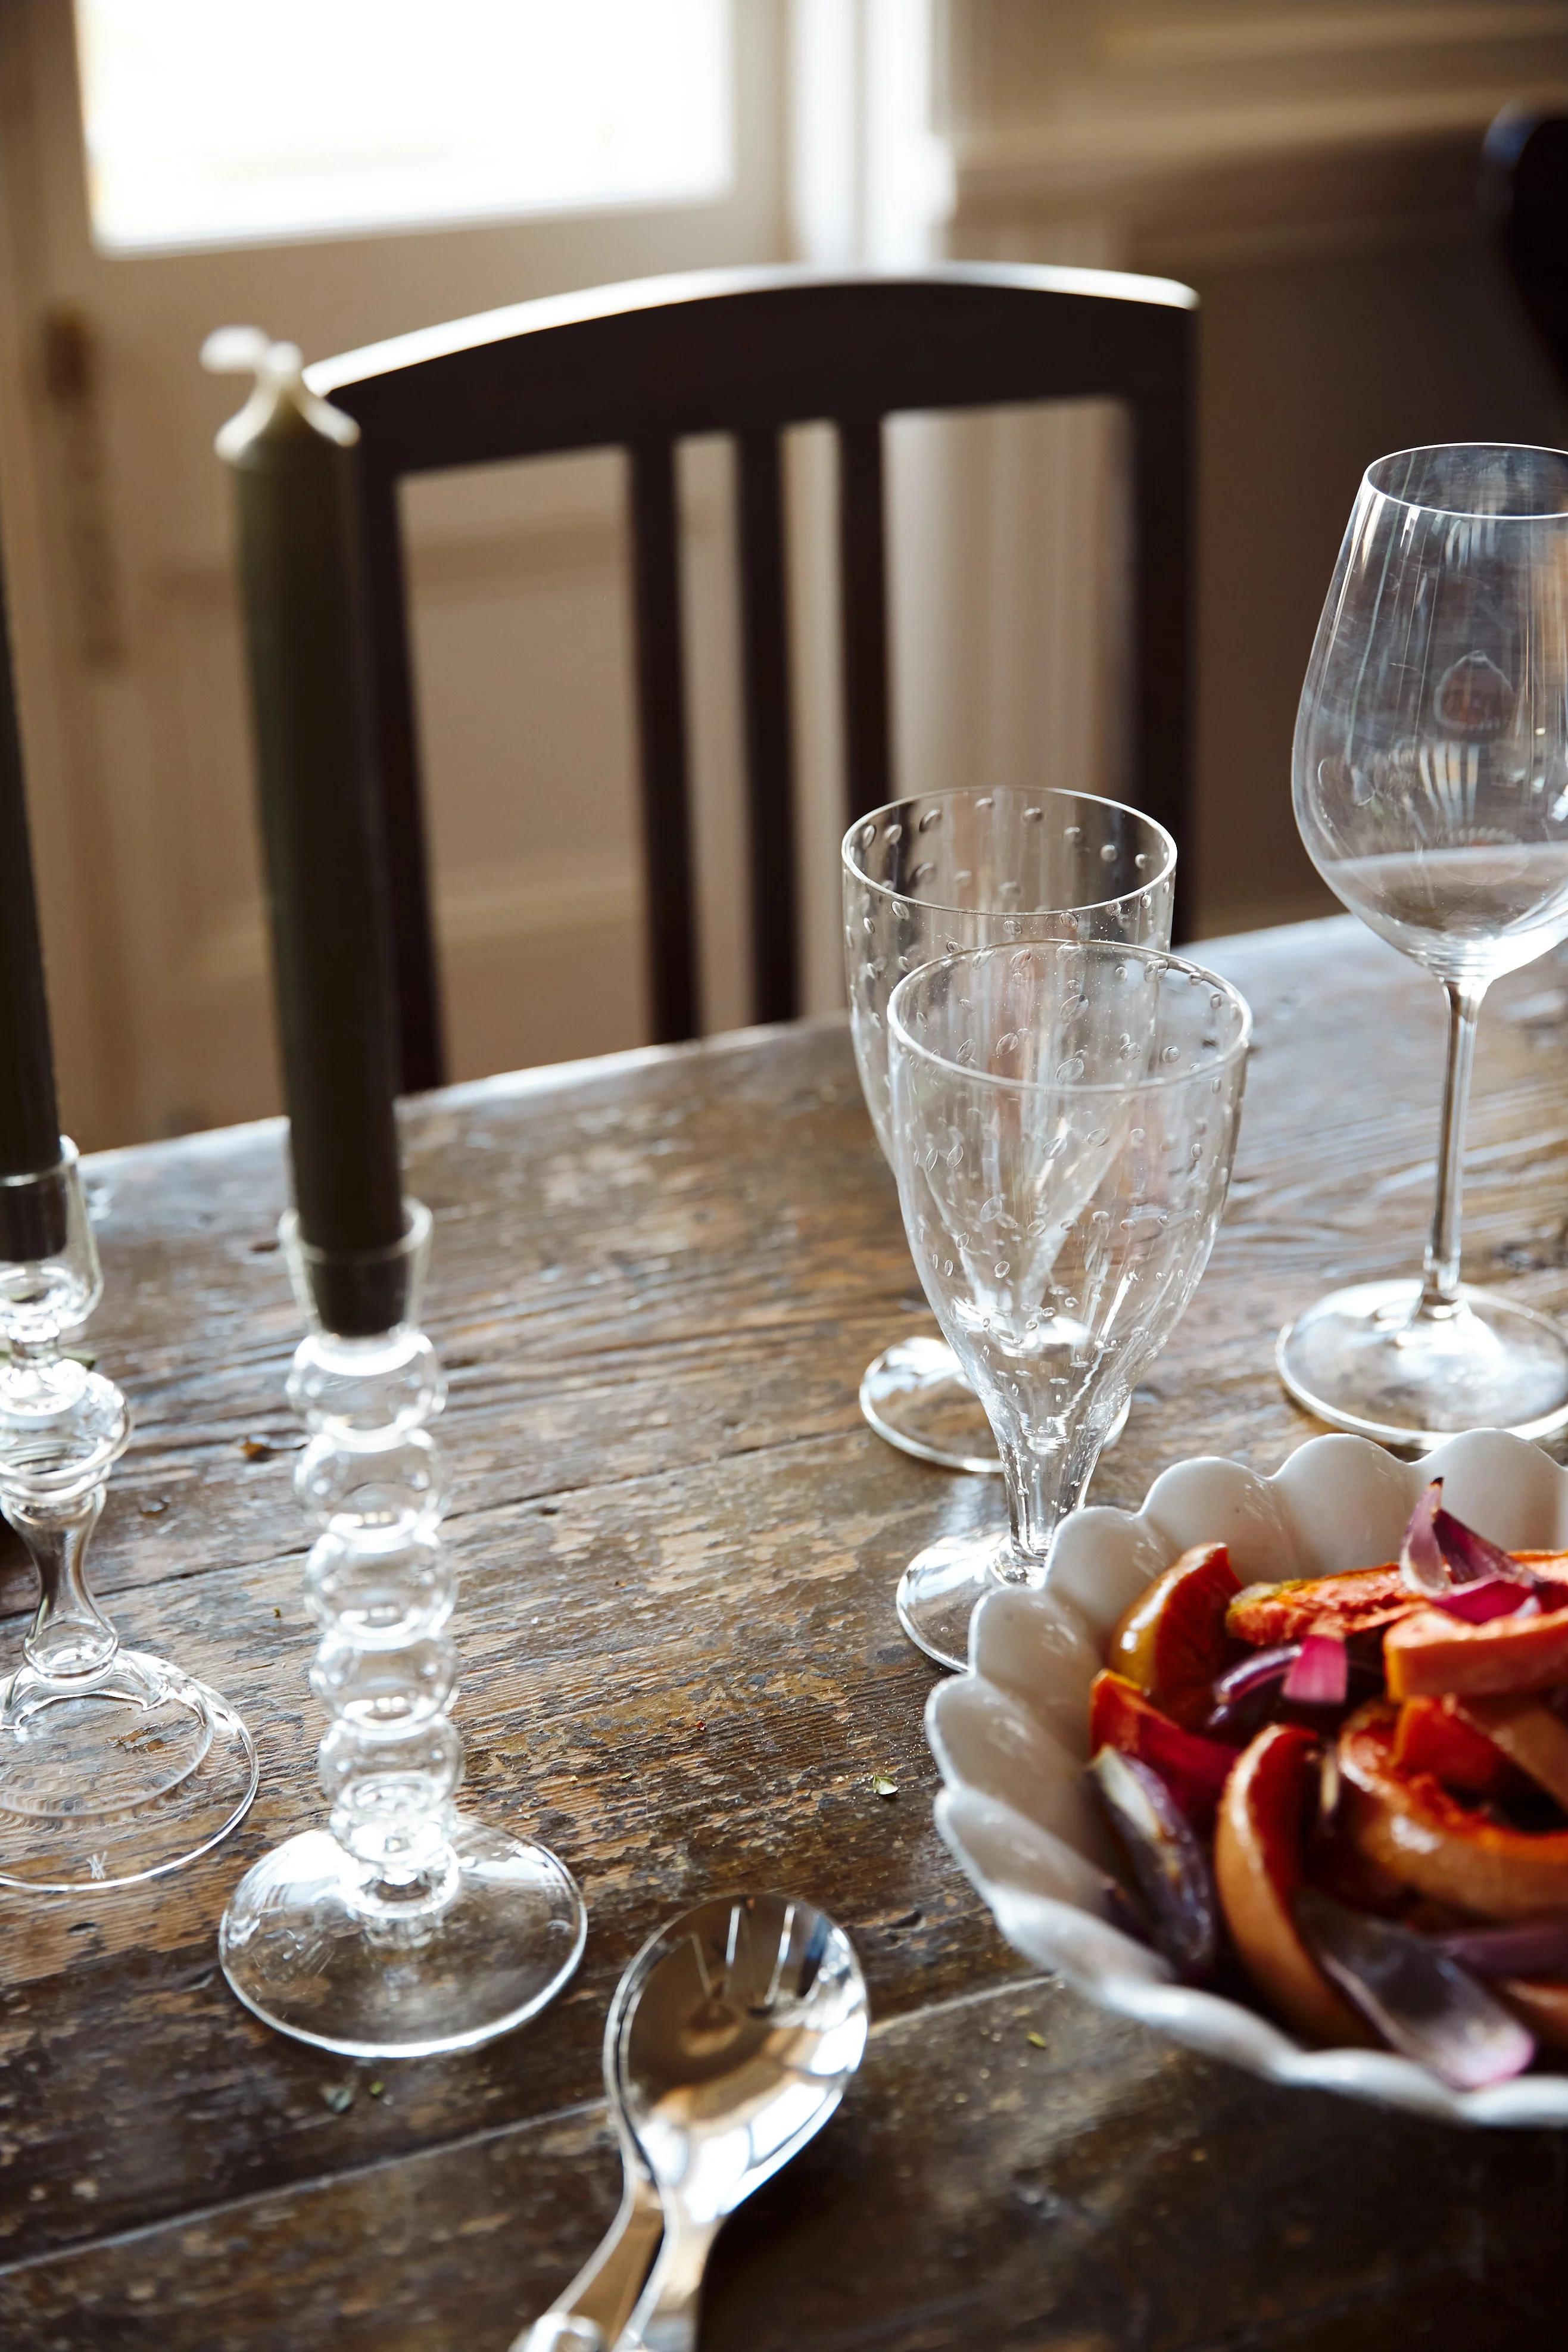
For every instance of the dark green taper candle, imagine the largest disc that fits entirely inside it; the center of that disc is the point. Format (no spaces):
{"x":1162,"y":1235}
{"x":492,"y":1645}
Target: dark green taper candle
{"x":293,"y":463}
{"x":32,"y":1218}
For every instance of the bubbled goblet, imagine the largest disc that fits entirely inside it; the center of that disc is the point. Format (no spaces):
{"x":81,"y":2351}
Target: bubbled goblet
{"x":924,"y":878}
{"x":1063,"y":1122}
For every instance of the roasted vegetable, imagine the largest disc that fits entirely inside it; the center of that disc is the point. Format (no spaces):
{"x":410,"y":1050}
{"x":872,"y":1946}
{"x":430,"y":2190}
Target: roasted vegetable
{"x":1359,"y":1602}
{"x":1411,"y":1826}
{"x":1172,"y":1643}
{"x":1192,"y":1767}
{"x":1168,"y":1859}
{"x":1439,"y":1736}
{"x":1431,"y":1650}
{"x":1418,"y":1997}
{"x":1258,"y":1869}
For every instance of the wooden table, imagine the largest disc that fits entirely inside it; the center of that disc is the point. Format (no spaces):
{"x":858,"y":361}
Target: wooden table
{"x":656,"y":1281}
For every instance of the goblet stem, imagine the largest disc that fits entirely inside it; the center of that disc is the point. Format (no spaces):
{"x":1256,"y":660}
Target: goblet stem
{"x":1440,"y":1277}
{"x":1046,"y":1479}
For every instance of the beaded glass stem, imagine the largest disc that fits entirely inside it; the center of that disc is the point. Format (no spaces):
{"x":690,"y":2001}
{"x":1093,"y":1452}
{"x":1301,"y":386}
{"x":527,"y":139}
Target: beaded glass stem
{"x":405,"y":1927}
{"x":114,"y":1766}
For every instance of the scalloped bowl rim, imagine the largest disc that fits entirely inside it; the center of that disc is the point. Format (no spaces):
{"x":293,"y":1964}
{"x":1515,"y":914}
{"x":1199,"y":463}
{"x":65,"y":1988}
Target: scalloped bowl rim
{"x":1010,"y":1736}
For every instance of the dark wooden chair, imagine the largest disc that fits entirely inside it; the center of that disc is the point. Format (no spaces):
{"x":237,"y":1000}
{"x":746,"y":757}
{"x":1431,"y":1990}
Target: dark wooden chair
{"x":748,"y":352}
{"x":1524,"y":193}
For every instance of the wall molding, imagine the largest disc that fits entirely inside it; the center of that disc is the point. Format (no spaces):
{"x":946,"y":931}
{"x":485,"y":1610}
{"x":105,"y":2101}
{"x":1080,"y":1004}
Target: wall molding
{"x":1218,"y":136}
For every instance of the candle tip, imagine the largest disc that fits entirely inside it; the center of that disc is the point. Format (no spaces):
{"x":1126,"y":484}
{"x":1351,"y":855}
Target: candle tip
{"x":242,"y":350}
{"x":278,"y":393}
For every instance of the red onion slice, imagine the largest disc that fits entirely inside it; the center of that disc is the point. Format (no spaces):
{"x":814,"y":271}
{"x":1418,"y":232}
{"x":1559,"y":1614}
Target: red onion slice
{"x":1493,"y":1596}
{"x":1440,"y":1551}
{"x":1472,"y":1558}
{"x":1256,"y":1674}
{"x":1422,"y":2001}
{"x":1320,"y":1675}
{"x":1421,"y":1558}
{"x":1169,"y":1860}
{"x":1528,"y":1948}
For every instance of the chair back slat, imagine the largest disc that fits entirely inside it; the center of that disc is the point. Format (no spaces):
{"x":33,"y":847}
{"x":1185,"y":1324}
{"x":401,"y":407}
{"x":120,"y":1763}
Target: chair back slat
{"x":862,"y":586}
{"x":662,"y":726}
{"x":769,"y":733}
{"x":1162,"y":651}
{"x":748,"y":352}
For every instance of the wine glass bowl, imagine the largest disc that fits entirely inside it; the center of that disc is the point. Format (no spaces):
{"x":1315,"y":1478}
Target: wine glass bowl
{"x":927,"y":877}
{"x":1064,"y":1117}
{"x":1431,"y":792}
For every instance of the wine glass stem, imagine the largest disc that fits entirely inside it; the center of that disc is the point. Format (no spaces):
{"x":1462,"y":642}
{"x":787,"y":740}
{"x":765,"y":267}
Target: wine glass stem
{"x":1440,"y":1282}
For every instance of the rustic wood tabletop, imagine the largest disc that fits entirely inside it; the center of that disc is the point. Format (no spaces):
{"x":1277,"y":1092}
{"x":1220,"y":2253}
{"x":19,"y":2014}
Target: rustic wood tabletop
{"x":656,"y":1281}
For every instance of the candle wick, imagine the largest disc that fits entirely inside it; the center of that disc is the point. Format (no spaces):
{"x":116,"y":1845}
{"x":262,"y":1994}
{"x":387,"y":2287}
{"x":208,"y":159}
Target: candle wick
{"x":247,"y":351}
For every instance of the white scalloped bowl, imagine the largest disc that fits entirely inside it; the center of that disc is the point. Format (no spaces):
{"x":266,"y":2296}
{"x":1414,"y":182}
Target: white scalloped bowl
{"x":1010,"y":1737}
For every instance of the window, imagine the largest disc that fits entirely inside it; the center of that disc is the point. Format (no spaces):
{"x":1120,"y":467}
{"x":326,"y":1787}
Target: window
{"x":211,"y":123}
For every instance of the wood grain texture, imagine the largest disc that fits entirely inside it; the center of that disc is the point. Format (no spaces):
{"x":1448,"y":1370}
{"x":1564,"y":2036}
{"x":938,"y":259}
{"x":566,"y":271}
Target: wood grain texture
{"x":656,"y":1281}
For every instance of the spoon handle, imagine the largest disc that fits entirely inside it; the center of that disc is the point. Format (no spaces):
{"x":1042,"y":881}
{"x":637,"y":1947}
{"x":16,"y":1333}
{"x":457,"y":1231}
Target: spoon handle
{"x":592,"y":2314}
{"x":665,"y":2319}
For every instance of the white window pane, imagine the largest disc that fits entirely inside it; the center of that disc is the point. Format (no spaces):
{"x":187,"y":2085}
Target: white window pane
{"x":209,"y":122}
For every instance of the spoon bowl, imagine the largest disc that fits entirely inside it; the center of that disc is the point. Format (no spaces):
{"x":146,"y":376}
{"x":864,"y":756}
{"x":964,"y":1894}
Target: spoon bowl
{"x":742,"y":2023}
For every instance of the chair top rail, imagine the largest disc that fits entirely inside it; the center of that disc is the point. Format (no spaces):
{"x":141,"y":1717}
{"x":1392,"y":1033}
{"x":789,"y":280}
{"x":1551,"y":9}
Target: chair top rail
{"x":722,"y":350}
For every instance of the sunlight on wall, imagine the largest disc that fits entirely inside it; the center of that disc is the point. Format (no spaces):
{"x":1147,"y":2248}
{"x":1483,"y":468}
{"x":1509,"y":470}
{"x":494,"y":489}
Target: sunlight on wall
{"x":212,"y":123}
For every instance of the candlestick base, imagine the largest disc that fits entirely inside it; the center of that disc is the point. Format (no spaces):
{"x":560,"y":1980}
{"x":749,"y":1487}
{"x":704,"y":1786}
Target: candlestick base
{"x":320,"y":1949}
{"x":110,"y":1777}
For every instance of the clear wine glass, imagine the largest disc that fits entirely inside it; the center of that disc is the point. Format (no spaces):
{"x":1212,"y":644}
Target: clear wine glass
{"x":1064,"y":1118}
{"x":960,"y":869}
{"x":1431,"y":790}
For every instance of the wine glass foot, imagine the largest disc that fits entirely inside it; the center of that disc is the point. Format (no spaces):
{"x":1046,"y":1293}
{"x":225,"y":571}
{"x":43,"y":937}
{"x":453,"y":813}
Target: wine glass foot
{"x":915,"y":1395}
{"x":135,"y":1770}
{"x":941,"y":1586}
{"x":1363,"y":1360}
{"x":301,"y":1948}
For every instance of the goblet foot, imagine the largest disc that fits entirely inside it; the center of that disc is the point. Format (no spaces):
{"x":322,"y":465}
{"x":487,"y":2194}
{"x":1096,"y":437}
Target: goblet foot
{"x":307,"y":1944}
{"x":915,"y":1395}
{"x":1363,"y":1360}
{"x":116,"y":1776}
{"x":941,"y":1588}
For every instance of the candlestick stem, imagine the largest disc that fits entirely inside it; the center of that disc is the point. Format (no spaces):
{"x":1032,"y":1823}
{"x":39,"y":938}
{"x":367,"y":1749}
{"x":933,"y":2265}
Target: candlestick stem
{"x":114,"y":1765}
{"x":406,"y":1927}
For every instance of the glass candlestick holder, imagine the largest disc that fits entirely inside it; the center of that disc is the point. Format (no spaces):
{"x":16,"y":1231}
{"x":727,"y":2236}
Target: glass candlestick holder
{"x":405,"y":1927}
{"x":114,"y":1765}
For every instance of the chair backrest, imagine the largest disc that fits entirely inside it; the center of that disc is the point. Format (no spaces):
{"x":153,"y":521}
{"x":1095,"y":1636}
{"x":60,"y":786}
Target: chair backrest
{"x":749,"y":352}
{"x":1524,"y":191}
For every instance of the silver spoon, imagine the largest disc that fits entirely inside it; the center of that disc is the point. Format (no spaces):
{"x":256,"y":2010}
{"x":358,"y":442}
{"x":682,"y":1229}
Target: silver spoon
{"x":742,"y":2022}
{"x":592,"y":2314}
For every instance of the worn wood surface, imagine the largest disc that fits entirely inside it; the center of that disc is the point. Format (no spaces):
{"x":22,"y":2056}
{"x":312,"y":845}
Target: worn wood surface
{"x":656,"y":1281}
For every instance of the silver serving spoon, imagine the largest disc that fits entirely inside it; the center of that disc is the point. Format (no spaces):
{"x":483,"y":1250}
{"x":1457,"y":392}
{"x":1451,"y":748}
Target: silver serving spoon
{"x":741,"y":2024}
{"x":592,"y":2311}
